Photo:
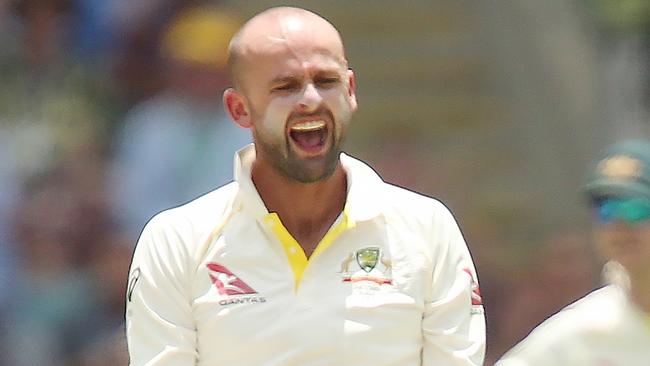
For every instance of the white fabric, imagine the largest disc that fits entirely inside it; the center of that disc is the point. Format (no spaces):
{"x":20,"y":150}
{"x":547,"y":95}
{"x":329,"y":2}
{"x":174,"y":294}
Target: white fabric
{"x":602,"y":329}
{"x":176,"y":315}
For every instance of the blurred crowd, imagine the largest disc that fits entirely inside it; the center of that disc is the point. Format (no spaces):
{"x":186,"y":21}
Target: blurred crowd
{"x":110,"y":112}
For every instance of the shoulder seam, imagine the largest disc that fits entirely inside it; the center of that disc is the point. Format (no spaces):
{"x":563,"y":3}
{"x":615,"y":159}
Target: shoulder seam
{"x":203,"y":248}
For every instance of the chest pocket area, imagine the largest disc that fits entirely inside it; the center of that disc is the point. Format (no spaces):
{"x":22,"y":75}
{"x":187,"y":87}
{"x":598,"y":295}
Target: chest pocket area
{"x":381,"y":316}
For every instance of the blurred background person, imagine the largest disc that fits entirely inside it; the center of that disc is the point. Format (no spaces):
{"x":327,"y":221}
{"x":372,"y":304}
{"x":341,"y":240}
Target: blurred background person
{"x":610,"y":326}
{"x":177,"y":145}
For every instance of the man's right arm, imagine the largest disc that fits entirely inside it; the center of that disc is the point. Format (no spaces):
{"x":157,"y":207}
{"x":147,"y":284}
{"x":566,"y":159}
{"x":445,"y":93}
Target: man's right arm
{"x":159,"y":325}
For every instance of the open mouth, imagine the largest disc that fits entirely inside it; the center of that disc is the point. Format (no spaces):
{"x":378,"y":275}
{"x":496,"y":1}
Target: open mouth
{"x":309,"y":136}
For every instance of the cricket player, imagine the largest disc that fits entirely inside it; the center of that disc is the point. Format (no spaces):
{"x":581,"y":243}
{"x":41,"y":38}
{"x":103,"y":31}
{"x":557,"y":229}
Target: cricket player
{"x":610,"y":326}
{"x":308,"y":257}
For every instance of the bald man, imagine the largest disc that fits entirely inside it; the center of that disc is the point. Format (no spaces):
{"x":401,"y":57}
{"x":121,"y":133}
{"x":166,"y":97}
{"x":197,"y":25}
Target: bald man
{"x":308,"y":257}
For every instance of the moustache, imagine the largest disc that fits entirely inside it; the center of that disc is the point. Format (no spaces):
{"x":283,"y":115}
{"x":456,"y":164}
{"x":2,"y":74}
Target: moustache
{"x":323,"y":113}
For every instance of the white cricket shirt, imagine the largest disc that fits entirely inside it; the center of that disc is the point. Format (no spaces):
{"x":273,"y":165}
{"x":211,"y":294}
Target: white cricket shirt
{"x":602,"y":329}
{"x":220,"y":281}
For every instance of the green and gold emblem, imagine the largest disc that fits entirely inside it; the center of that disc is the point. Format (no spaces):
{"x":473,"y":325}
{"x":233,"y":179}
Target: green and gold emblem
{"x":621,"y":167}
{"x":368,"y":258}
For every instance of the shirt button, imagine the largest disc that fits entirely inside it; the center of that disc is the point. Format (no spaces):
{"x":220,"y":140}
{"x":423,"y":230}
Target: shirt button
{"x":293,"y":250}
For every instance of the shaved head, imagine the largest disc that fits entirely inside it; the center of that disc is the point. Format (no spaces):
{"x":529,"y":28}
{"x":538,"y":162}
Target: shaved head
{"x":280,"y":28}
{"x":292,"y":87}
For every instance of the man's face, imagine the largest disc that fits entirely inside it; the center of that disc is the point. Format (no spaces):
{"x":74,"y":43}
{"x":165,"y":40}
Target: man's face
{"x":625,"y":242}
{"x":301,"y":99}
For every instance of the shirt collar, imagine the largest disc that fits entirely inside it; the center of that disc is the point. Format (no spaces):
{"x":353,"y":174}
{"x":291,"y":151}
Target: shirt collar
{"x":250,"y":198}
{"x":362,"y":202}
{"x":364,"y":196}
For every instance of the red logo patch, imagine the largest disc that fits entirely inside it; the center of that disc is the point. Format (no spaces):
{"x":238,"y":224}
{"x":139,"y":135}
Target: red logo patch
{"x":228,"y":283}
{"x":476,"y":292}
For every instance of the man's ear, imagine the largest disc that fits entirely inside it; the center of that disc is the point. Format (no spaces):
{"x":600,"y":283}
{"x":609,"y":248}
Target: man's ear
{"x":235,"y":105}
{"x":352,"y":88}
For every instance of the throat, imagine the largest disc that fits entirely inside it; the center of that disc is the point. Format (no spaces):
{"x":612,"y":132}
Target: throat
{"x":307,"y":211}
{"x":309,"y":233}
{"x":640,"y":294}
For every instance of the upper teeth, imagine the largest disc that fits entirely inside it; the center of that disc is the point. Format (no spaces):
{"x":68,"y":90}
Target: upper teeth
{"x":309,"y":126}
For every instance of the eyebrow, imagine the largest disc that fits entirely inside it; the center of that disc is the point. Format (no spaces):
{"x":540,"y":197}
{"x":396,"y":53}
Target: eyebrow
{"x":283,"y":79}
{"x":291,"y":78}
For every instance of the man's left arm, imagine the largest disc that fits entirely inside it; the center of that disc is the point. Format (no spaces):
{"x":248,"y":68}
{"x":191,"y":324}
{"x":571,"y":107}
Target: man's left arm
{"x":453,"y":325}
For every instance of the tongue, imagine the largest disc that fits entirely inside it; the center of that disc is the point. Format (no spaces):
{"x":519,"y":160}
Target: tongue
{"x":307,"y":139}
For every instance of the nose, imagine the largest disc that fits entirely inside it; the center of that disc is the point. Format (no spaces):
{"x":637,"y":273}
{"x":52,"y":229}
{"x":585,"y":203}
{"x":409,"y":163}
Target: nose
{"x":310,"y":99}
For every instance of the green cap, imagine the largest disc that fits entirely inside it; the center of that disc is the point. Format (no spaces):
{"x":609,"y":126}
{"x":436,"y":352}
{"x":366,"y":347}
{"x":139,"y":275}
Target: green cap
{"x":624,"y":171}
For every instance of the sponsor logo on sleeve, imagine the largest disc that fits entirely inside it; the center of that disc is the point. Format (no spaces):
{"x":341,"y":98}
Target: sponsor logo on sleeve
{"x":232,"y":287}
{"x":477,"y":300}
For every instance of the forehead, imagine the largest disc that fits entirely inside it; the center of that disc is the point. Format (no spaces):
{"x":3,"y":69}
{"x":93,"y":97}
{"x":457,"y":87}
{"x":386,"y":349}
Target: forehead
{"x":294,"y":42}
{"x":288,"y":57}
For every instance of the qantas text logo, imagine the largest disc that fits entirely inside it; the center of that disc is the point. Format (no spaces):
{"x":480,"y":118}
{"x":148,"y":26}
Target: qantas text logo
{"x":228,"y":284}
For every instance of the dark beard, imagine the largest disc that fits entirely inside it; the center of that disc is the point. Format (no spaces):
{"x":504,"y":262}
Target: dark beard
{"x":300,"y":170}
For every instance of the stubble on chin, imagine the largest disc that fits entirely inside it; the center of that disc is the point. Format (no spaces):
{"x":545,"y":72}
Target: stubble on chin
{"x":287,"y":163}
{"x":281,"y":155}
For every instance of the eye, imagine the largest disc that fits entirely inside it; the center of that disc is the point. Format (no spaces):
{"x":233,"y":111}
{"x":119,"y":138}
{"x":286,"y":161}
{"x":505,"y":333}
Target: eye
{"x":327,"y":81}
{"x":290,"y":86}
{"x":283,"y":87}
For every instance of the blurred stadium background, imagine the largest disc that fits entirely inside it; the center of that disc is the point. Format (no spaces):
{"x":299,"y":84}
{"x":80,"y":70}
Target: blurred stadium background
{"x":110,"y":111}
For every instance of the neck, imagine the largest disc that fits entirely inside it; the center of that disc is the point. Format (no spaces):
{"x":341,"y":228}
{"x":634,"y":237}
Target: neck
{"x":307,"y":210}
{"x":640,"y":290}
